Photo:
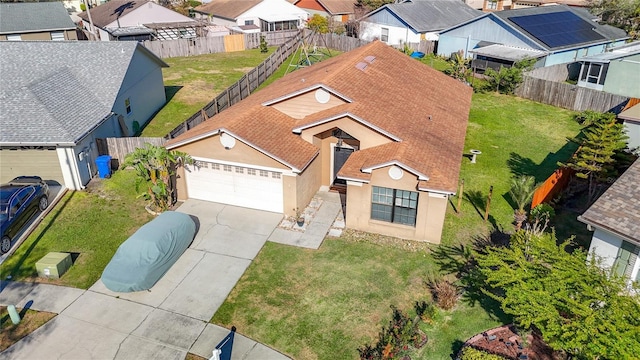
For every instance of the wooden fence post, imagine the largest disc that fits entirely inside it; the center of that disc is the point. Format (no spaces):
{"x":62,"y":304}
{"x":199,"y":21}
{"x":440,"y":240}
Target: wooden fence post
{"x":486,"y":211}
{"x":460,"y":196}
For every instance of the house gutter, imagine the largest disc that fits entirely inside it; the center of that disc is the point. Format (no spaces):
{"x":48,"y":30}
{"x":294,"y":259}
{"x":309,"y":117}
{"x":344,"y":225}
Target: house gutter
{"x":608,"y":229}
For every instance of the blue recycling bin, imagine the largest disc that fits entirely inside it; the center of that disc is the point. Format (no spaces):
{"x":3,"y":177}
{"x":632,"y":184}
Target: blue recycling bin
{"x":104,"y":166}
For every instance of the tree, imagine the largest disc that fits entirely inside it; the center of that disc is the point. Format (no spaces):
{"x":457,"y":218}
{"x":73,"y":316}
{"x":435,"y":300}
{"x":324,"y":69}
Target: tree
{"x":154,"y":166}
{"x":595,"y":159}
{"x":506,"y":79}
{"x":521,"y":192}
{"x":263,"y":45}
{"x":624,"y":14}
{"x":373,"y":4}
{"x":459,"y":67}
{"x":318,"y":23}
{"x":575,"y":305}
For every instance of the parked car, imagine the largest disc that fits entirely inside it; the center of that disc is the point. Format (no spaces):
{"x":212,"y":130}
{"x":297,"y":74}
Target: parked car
{"x":20,"y":199}
{"x":148,"y":254}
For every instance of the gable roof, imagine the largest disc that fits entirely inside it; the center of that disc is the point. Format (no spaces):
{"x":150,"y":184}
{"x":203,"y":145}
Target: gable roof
{"x":430,"y":15}
{"x":593,"y":32}
{"x":59,"y":99}
{"x":110,"y":11}
{"x":228,"y":9}
{"x":34,"y":17}
{"x":425,"y":110}
{"x":618,"y":209}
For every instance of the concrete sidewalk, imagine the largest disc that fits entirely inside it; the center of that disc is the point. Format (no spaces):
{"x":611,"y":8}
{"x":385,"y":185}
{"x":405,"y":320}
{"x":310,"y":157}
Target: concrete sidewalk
{"x":166,"y":322}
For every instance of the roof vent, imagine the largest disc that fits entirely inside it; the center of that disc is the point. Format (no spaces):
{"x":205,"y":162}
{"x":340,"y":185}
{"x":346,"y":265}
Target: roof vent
{"x":361,"y":66}
{"x":370,"y":59}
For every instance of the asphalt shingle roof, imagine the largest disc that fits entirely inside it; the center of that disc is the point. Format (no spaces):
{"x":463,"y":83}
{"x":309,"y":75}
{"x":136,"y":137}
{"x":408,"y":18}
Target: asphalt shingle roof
{"x":33,"y":17}
{"x":110,"y":11}
{"x":618,"y":209}
{"x":57,"y":98}
{"x":427,"y":110}
{"x":432,"y":15}
{"x":229,"y":9}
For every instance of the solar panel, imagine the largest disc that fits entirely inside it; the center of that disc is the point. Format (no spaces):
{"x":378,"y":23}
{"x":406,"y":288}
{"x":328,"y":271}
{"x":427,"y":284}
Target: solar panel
{"x":558,"y":29}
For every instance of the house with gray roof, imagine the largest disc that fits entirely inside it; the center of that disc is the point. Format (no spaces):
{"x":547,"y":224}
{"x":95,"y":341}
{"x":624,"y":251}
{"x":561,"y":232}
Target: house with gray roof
{"x":414,"y":20}
{"x":615,"y":221}
{"x":554,"y":34}
{"x":616,"y":71}
{"x":54,"y":107}
{"x":36,"y":21}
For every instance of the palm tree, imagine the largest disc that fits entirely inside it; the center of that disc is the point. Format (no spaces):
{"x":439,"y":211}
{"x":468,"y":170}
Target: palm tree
{"x":522,"y":190}
{"x":155,"y":165}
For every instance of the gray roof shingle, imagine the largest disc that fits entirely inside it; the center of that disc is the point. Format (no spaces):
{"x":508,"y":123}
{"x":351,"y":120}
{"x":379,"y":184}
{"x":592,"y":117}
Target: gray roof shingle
{"x":56,"y":98}
{"x":432,"y":15}
{"x":618,"y":209}
{"x":34,"y":16}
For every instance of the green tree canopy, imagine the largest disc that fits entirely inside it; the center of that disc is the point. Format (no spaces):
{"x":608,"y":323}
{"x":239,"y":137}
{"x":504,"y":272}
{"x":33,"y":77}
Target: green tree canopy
{"x":373,"y":4}
{"x":577,"y":306}
{"x":624,"y":14}
{"x":318,"y":23}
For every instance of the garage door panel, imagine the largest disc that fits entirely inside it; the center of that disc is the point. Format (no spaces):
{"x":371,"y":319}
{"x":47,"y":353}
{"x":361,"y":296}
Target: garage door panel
{"x":43,"y":163}
{"x":240,"y":186}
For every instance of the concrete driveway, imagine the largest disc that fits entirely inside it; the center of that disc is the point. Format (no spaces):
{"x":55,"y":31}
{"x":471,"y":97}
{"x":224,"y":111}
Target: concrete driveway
{"x":171,"y":318}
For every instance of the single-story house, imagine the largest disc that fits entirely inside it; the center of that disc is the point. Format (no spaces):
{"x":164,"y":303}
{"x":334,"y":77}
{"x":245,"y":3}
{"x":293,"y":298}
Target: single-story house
{"x":258,"y":15}
{"x":54,"y":107}
{"x":350,"y":123}
{"x":615,"y":220}
{"x":338,"y":11}
{"x":630,"y":116}
{"x":36,"y":21}
{"x":118,"y":20}
{"x":562,"y":34}
{"x":616,"y":71}
{"x":414,"y":20}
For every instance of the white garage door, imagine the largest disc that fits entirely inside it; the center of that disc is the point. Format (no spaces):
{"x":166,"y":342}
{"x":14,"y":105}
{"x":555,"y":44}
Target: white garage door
{"x":235,"y":185}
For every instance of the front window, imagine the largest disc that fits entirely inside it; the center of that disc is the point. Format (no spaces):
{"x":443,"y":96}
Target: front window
{"x":127,"y":105}
{"x":492,"y":5}
{"x":384,"y":34}
{"x":248,"y":22}
{"x":392,"y":205}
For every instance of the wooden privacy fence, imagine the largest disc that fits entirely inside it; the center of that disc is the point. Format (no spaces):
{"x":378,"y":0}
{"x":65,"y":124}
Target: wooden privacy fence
{"x":569,"y":96}
{"x":118,"y":148}
{"x":217,"y":44}
{"x":240,"y":90}
{"x":552,"y":186}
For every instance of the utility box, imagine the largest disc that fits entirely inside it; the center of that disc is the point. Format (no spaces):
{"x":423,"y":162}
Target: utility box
{"x":54,"y":265}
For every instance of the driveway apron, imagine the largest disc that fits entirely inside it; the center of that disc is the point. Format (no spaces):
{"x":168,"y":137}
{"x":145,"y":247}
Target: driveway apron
{"x":166,"y":321}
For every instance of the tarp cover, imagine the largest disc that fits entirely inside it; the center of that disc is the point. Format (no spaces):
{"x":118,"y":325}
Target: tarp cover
{"x":146,"y":256}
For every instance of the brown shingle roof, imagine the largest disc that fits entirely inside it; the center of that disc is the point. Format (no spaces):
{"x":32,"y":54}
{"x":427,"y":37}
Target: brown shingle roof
{"x":108,"y":12}
{"x":338,"y":7}
{"x":618,"y":209}
{"x":228,"y":9}
{"x":425,"y":109}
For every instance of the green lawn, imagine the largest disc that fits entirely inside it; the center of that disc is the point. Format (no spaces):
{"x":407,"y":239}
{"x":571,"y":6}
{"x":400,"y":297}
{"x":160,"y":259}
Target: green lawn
{"x":90,"y":224}
{"x":192,"y":82}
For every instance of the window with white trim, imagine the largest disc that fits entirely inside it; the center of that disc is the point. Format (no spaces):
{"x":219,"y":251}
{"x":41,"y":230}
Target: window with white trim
{"x":215,"y":166}
{"x":127,"y":105}
{"x":393,"y":205}
{"x":226,"y":168}
{"x":264,"y":173}
{"x":14,"y":38}
{"x":594,"y":73}
{"x":275,"y":175}
{"x":384,"y":34}
{"x":239,"y":170}
{"x":251,"y":171}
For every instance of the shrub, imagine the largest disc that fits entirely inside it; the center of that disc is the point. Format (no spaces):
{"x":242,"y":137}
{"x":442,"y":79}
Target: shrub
{"x":263,"y":45}
{"x":469,"y":353}
{"x":542,"y":213}
{"x":445,"y":293}
{"x":394,"y":339}
{"x":426,"y":310}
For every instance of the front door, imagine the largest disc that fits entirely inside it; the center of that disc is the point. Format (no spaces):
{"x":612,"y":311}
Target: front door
{"x":340,"y":156}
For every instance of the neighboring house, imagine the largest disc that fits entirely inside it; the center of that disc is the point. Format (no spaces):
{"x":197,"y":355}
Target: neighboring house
{"x":338,"y":11}
{"x":558,"y":33}
{"x":36,"y":21}
{"x":253,"y":15}
{"x":351,"y":123}
{"x":499,"y":5}
{"x":615,"y":219}
{"x":54,"y":107}
{"x":118,"y":20}
{"x":414,"y":20}
{"x":631,"y":119}
{"x":616,"y":71}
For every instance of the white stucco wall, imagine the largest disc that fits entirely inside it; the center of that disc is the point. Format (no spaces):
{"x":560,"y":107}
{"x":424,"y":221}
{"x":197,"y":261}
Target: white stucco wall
{"x":397,"y":35}
{"x":605,"y":245}
{"x":149,"y":13}
{"x":273,"y":9}
{"x":633,"y":131}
